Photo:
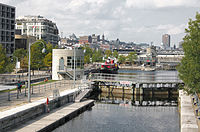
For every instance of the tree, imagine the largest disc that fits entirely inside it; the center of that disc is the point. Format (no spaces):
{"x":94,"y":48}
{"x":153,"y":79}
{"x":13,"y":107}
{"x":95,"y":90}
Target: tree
{"x":108,"y":53}
{"x":131,"y":57}
{"x":49,"y":48}
{"x":37,"y":56}
{"x":24,"y":63}
{"x":48,"y":60}
{"x":87,"y":55}
{"x":115,"y":54}
{"x":2,"y":59}
{"x":189,"y":68}
{"x":20,"y":53}
{"x":87,"y":59}
{"x":97,"y":56}
{"x":122,"y":59}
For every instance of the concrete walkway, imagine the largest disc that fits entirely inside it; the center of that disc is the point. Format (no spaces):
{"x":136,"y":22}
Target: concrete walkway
{"x":188,"y":121}
{"x":40,"y":92}
{"x":56,"y":118}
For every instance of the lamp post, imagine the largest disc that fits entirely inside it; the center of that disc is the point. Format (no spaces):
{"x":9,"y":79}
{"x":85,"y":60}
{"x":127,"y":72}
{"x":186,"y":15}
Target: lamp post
{"x":29,"y":68}
{"x":74,"y":66}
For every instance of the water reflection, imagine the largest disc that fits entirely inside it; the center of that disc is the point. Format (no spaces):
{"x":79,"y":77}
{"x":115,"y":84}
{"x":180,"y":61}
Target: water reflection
{"x":119,"y":112}
{"x":116,"y":114}
{"x":137,"y":100}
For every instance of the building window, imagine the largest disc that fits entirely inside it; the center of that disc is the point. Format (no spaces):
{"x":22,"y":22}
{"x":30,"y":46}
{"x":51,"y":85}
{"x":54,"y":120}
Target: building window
{"x":69,"y":62}
{"x":61,"y":63}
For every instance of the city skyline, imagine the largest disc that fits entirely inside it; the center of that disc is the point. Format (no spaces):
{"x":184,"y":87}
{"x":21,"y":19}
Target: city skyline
{"x":138,"y":21}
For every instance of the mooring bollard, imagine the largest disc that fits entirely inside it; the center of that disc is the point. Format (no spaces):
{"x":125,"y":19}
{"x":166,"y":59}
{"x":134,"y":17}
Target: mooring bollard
{"x":47,"y":105}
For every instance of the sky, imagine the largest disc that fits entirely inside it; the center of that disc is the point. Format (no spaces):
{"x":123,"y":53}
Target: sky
{"x":139,"y":21}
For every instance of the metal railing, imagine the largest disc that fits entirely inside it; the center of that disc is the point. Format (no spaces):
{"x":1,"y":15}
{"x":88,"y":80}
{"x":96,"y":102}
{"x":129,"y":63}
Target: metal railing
{"x":9,"y":79}
{"x":196,"y":102}
{"x":42,"y":90}
{"x":136,"y":78}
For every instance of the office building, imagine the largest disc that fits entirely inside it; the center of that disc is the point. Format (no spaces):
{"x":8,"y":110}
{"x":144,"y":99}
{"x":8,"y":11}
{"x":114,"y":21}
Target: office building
{"x":7,"y":28}
{"x":39,"y":27}
{"x":166,"y":40}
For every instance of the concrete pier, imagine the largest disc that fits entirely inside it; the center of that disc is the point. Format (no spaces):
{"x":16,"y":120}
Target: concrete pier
{"x":188,"y":121}
{"x":56,"y":118}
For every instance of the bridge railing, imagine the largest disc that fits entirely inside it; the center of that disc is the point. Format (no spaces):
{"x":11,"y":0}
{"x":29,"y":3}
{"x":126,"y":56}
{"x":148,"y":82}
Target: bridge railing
{"x":136,"y":78}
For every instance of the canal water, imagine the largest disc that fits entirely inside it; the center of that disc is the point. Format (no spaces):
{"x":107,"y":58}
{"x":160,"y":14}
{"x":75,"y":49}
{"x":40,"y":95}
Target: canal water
{"x":117,"y":113}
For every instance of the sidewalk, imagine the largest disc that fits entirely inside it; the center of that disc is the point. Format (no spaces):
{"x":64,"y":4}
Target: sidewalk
{"x":39,"y":92}
{"x":188,"y":121}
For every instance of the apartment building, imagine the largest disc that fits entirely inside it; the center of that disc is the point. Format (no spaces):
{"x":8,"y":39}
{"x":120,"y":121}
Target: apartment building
{"x":39,"y":27}
{"x":7,"y":28}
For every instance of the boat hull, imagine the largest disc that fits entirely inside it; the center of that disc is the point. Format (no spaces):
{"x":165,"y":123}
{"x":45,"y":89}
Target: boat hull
{"x":113,"y":71}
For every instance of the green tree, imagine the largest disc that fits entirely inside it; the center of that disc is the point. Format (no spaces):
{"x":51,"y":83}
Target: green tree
{"x":108,"y":53}
{"x":48,"y":60}
{"x":87,"y":59}
{"x":37,"y":56}
{"x":20,"y":53}
{"x":115,"y":54}
{"x":49,"y":48}
{"x":189,"y":68}
{"x":87,"y":55}
{"x":2,"y":59}
{"x":97,"y":56}
{"x":122,"y":59}
{"x":24,"y":63}
{"x":132,"y":56}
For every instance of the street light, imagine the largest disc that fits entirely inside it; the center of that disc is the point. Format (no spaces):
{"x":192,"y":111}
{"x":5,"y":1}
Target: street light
{"x":29,"y":68}
{"x":74,"y":66}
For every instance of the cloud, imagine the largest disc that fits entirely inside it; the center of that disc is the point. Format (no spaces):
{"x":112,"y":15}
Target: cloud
{"x":150,"y":4}
{"x":172,"y":29}
{"x":127,"y":20}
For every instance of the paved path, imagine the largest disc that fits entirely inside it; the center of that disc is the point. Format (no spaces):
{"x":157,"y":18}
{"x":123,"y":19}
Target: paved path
{"x":188,"y":121}
{"x":55,"y":116}
{"x":39,"y":92}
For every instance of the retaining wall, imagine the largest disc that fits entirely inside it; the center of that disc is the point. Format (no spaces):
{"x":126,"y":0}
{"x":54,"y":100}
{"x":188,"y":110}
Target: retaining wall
{"x":17,"y":116}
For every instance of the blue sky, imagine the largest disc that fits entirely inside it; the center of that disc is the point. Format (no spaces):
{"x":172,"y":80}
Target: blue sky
{"x":129,"y":20}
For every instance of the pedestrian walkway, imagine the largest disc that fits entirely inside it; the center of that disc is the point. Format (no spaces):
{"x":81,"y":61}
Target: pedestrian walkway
{"x":38,"y":92}
{"x":54,"y":119}
{"x":187,"y":117}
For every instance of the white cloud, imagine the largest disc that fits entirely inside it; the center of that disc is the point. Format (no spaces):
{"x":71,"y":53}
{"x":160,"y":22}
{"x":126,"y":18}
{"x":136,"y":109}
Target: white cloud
{"x":172,"y":29}
{"x":123,"y":19}
{"x":161,"y":3}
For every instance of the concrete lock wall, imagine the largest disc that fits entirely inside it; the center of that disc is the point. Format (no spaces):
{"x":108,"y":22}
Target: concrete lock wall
{"x":19,"y":118}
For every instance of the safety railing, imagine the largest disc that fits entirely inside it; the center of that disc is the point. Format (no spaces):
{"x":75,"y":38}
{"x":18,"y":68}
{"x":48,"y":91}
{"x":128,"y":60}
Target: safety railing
{"x":42,"y":90}
{"x":136,"y":78}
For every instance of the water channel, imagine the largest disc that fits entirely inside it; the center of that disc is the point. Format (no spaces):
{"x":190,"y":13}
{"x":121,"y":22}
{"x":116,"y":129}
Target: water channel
{"x":118,"y":113}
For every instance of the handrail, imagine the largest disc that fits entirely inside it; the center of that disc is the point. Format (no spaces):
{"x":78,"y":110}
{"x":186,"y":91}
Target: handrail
{"x":136,"y":78}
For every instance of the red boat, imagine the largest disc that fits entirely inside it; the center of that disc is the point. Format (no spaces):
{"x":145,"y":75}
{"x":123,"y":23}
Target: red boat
{"x":110,"y":66}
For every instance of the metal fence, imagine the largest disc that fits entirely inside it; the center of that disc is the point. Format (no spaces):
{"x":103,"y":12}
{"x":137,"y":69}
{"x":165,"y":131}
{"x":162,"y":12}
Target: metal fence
{"x":136,"y":78}
{"x":9,"y":79}
{"x":42,"y":90}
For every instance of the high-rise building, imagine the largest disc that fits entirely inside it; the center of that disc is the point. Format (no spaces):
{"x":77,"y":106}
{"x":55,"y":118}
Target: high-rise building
{"x":166,"y":40}
{"x":7,"y":28}
{"x":39,"y":27}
